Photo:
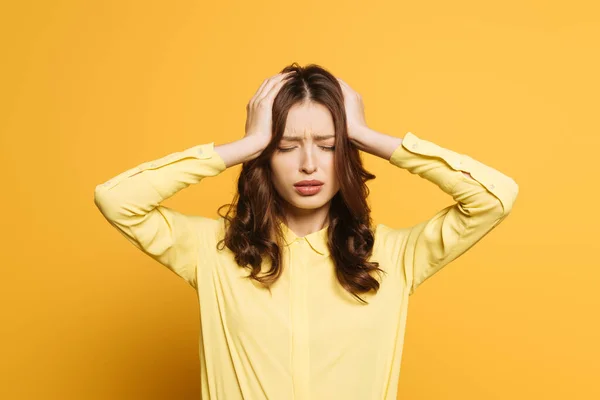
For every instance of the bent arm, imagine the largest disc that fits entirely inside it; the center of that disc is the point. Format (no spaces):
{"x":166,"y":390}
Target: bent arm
{"x":483,"y":198}
{"x":382,"y":145}
{"x":131,"y":202}
{"x":242,"y":150}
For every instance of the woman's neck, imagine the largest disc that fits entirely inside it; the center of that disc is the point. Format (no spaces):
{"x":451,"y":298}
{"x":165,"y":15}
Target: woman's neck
{"x":304,"y":222}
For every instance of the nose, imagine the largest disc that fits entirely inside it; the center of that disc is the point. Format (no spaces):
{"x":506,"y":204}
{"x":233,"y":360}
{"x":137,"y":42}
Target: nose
{"x":308,"y":164}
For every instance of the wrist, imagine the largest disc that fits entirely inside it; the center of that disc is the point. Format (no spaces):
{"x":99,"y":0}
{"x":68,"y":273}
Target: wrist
{"x":257,"y":140}
{"x":255,"y":144}
{"x":360,"y":137}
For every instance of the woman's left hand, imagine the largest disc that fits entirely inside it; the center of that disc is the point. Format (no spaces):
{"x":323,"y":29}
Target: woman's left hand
{"x":355,"y":111}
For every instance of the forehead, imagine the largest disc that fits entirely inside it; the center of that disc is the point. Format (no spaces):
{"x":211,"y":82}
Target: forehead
{"x":308,"y":119}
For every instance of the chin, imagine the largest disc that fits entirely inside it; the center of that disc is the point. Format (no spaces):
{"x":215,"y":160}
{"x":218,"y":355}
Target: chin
{"x":308,"y":202}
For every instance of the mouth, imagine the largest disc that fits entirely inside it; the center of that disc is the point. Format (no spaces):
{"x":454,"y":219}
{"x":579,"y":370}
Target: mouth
{"x":312,"y":182}
{"x":306,"y":189}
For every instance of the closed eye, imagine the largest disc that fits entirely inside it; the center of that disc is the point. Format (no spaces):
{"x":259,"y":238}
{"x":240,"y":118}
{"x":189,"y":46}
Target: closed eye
{"x":326,"y":148}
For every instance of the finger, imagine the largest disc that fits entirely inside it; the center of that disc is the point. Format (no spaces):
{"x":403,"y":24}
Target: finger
{"x":260,"y":89}
{"x":273,"y":87}
{"x":263,"y":88}
{"x":344,"y":85}
{"x":272,"y":81}
{"x":270,"y":95}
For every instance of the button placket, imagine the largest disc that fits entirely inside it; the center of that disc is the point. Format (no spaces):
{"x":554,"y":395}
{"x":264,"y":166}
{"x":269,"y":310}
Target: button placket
{"x":300,"y":323}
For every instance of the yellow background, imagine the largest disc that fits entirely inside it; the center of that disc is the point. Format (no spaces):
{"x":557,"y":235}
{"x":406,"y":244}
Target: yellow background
{"x":92,"y":88}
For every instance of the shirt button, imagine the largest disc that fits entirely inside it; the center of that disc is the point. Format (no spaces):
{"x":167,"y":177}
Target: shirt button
{"x":414,"y":146}
{"x":492,"y":186}
{"x":153,"y":165}
{"x":200,"y":151}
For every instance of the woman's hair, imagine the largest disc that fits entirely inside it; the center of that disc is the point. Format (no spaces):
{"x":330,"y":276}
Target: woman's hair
{"x":254,"y":231}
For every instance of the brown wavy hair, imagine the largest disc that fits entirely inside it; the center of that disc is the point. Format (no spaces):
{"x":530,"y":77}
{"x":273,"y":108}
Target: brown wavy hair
{"x":253,"y":233}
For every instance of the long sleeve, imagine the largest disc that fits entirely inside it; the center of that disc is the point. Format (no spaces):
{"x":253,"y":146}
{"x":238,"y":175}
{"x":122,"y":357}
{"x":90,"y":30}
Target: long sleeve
{"x":481,"y":203}
{"x":131,"y":203}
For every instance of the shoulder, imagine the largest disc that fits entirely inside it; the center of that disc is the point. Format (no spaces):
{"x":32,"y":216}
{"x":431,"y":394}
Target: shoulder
{"x":385,"y":233}
{"x":390,"y":240}
{"x":207,"y":228}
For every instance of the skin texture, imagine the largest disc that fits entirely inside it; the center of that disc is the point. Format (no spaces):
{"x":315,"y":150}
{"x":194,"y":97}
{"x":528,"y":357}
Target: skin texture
{"x":308,"y":158}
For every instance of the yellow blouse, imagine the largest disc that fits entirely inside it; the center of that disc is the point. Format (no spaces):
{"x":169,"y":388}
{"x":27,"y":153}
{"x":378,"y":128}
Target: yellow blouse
{"x":310,"y":338}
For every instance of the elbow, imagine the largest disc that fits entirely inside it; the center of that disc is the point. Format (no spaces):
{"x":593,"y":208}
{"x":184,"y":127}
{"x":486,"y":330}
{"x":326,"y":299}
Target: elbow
{"x":514,"y":193}
{"x":510,"y":198}
{"x":104,"y":203}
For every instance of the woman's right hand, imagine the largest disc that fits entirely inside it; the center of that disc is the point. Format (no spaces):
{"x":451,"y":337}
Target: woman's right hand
{"x":260,"y":109}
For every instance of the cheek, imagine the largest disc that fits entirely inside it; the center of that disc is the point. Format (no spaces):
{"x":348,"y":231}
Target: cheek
{"x":280,"y":172}
{"x":283,"y":165}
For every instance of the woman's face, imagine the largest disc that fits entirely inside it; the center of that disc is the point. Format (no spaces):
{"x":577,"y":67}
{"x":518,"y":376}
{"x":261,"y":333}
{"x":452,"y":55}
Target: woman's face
{"x":306,"y":153}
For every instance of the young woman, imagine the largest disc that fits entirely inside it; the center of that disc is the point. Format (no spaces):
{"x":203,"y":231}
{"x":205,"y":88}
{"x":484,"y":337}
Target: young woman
{"x":300,"y":296}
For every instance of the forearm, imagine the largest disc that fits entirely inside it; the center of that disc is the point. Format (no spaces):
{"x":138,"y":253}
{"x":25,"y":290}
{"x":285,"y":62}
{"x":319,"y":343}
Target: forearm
{"x":380,"y":144}
{"x":131,"y":202}
{"x":127,"y":198}
{"x":239,"y":151}
{"x":376,"y":143}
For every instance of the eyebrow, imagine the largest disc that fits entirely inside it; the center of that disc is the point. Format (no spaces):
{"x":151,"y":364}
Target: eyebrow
{"x":300,"y":138}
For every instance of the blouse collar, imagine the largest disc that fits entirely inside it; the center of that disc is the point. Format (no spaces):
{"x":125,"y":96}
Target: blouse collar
{"x":317,"y":240}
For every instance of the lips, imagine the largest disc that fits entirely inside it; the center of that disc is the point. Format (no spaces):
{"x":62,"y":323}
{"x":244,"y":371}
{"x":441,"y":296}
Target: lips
{"x":309,"y":183}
